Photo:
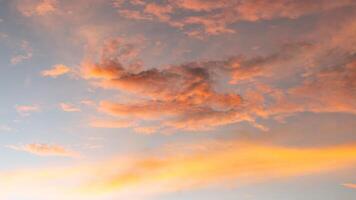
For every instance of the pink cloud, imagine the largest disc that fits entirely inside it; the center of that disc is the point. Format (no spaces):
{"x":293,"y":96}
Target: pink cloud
{"x":37,"y":7}
{"x":26,"y":110}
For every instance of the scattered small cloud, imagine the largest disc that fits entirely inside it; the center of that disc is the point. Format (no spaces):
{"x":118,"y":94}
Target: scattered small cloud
{"x":66,"y":107}
{"x":45,"y":150}
{"x":30,"y":8}
{"x":25,"y":55}
{"x":349,"y":185}
{"x":87,"y":102}
{"x":3,"y":35}
{"x":5,"y":128}
{"x":56,"y":71}
{"x":26,"y":110}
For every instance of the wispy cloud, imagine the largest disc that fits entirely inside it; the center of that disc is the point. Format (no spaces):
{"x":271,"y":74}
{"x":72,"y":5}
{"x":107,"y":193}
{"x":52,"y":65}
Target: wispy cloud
{"x":56,"y":71}
{"x":349,"y":185}
{"x":25,"y":55}
{"x":45,"y":150}
{"x":66,"y":107}
{"x":5,"y":128}
{"x":26,"y":110}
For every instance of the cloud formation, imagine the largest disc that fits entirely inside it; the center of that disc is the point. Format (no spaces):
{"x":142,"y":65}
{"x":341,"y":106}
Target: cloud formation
{"x":45,"y":150}
{"x":216,"y":17}
{"x":198,"y":96}
{"x":181,"y":92}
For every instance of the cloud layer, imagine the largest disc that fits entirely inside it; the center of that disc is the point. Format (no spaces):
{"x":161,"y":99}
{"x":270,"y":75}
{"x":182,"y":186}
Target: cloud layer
{"x":192,"y":166}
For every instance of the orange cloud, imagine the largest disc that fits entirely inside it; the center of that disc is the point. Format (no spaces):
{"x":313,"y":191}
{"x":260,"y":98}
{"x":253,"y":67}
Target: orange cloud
{"x":188,"y":97}
{"x":330,"y":90}
{"x":196,"y":96}
{"x":177,"y":91}
{"x":350,"y":185}
{"x":45,"y":150}
{"x":56,"y":71}
{"x":181,"y":167}
{"x":226,"y":162}
{"x":260,"y":9}
{"x":161,"y":12}
{"x":68,"y":107}
{"x":215,"y":17}
{"x":201,"y":5}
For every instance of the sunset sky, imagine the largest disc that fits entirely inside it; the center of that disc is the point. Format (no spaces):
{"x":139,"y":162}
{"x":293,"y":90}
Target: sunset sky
{"x":178,"y":99}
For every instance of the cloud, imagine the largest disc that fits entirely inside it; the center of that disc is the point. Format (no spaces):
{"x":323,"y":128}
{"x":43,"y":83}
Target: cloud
{"x":216,"y":17}
{"x":181,"y":91}
{"x":200,"y":5}
{"x":69,"y":107}
{"x":330,"y":90}
{"x":30,"y":8}
{"x":349,"y":185}
{"x":264,"y":10}
{"x":181,"y":167}
{"x":194,"y":96}
{"x":87,"y":102}
{"x":26,"y":110}
{"x":56,"y":71}
{"x":5,"y":128}
{"x":160,"y":11}
{"x":224,"y":162}
{"x":27,"y":53}
{"x":45,"y":150}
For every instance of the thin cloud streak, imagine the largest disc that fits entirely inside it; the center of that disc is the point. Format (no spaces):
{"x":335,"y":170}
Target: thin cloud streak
{"x":44,"y":150}
{"x":66,"y":107}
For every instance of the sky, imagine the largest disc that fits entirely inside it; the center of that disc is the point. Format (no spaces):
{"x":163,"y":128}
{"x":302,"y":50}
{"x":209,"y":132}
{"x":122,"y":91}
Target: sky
{"x":177,"y":99}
